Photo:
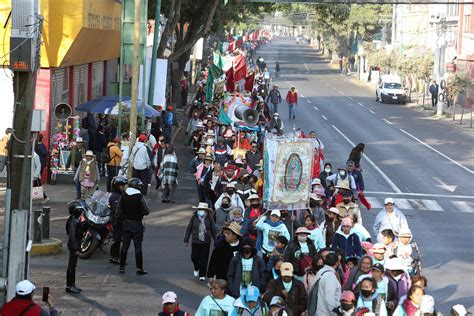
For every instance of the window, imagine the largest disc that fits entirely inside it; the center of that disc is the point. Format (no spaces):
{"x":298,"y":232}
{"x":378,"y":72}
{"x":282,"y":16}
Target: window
{"x":392,"y":85}
{"x":467,"y":24}
{"x":453,"y":8}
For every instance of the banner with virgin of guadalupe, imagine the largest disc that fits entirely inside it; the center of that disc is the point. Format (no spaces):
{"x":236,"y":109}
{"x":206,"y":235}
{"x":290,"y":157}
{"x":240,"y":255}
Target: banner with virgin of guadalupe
{"x":288,"y":170}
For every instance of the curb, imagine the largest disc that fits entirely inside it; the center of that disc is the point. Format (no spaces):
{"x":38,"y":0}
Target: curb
{"x":51,"y":246}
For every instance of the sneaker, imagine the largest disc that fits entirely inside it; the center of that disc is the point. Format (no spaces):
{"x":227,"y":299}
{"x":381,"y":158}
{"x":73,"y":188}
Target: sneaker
{"x":73,"y":290}
{"x":202,"y":279}
{"x":114,"y":261}
{"x":196,"y":273}
{"x":141,"y":272}
{"x":45,"y":200}
{"x":122,"y":270}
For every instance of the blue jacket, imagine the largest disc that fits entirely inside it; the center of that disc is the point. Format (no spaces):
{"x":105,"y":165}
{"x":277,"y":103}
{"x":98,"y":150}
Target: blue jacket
{"x":349,"y":243}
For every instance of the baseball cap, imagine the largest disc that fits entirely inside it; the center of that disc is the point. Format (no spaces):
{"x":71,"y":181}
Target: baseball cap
{"x":348,"y":296}
{"x":169,"y":297}
{"x":276,"y":213}
{"x":277,"y":301}
{"x":427,"y":304}
{"x":142,"y":138}
{"x":378,"y":267}
{"x":388,"y":200}
{"x":25,"y":287}
{"x":252,"y":294}
{"x":286,"y":269}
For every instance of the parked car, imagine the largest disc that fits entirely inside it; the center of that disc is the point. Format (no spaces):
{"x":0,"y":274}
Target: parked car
{"x":390,"y":89}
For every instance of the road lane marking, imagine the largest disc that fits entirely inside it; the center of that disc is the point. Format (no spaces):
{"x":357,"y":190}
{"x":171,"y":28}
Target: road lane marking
{"x":388,"y":121}
{"x":390,"y":183}
{"x":374,"y":202}
{"x":402,"y":203}
{"x":309,"y":101}
{"x":371,"y":111}
{"x":432,"y":205}
{"x":301,"y":95}
{"x":334,"y":88}
{"x":350,"y":98}
{"x":340,"y":92}
{"x":470,"y":197}
{"x":464,"y":206}
{"x":327,"y":83}
{"x":361,"y":104}
{"x":438,"y":152}
{"x":316,"y":108}
{"x":325,"y":118}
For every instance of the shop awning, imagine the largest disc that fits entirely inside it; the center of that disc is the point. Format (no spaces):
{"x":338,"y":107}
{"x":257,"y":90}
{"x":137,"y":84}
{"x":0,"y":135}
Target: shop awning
{"x":109,"y":105}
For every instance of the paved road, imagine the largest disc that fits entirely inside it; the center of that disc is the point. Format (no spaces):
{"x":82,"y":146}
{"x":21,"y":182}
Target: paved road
{"x":402,"y":168}
{"x":427,"y":165}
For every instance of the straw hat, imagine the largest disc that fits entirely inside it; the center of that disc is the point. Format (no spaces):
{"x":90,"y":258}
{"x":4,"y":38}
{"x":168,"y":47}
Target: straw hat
{"x":89,"y":153}
{"x":250,"y":198}
{"x":234,"y":227}
{"x":202,"y":206}
{"x":334,"y":210}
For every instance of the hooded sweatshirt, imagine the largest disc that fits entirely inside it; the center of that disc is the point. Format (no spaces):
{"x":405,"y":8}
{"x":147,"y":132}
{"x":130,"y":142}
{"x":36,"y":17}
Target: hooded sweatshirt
{"x":354,"y":275}
{"x":270,"y":232}
{"x":350,"y":243}
{"x":374,"y":304}
{"x":241,"y":308}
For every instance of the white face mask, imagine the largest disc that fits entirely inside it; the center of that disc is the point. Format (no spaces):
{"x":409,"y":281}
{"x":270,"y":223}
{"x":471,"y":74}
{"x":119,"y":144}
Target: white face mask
{"x":342,"y":173}
{"x":327,"y":170}
{"x":302,"y":238}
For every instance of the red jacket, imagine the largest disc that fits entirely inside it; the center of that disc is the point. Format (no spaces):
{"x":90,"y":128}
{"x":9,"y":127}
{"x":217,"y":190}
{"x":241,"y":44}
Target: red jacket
{"x":16,"y":306}
{"x":292,"y":97}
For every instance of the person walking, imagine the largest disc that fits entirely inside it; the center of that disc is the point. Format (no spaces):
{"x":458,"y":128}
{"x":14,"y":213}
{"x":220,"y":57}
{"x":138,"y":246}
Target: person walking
{"x":277,"y":69}
{"x":118,"y":187}
{"x":274,"y":98}
{"x":133,"y":207}
{"x":218,"y":303}
{"x":36,"y":172}
{"x":184,"y":91}
{"x":169,"y":175}
{"x":100,"y":143}
{"x":4,"y":148}
{"x":23,"y":304}
{"x":169,"y":120}
{"x":74,"y":159}
{"x":434,"y":90}
{"x":113,"y":160}
{"x":171,"y":307}
{"x":141,"y":162}
{"x":202,"y":229}
{"x":75,"y":209}
{"x":292,"y":101}
{"x":87,"y":174}
{"x":42,"y":152}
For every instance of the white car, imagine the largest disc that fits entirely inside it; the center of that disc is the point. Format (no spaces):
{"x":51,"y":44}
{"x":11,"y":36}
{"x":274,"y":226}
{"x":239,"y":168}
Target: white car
{"x":390,"y":89}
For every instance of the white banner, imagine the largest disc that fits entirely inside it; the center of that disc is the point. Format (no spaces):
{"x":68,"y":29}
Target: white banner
{"x":159,"y":96}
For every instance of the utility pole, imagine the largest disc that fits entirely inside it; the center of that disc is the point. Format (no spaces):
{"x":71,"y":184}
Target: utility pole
{"x":151,"y":90}
{"x":135,"y":75}
{"x":25,"y":45}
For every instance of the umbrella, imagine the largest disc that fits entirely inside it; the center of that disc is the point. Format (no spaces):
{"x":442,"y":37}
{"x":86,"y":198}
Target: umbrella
{"x":109,"y":105}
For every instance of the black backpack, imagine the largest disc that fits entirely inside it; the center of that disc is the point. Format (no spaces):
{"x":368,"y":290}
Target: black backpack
{"x":85,"y":123}
{"x":313,"y":296}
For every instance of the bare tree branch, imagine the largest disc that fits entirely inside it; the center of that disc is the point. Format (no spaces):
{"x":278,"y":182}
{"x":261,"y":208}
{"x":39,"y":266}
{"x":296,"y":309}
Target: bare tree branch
{"x":174,"y":16}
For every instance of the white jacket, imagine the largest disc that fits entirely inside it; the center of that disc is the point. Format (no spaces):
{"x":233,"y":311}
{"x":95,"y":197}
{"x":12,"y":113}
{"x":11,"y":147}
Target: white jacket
{"x":139,"y":157}
{"x":36,"y":166}
{"x":395,"y":221}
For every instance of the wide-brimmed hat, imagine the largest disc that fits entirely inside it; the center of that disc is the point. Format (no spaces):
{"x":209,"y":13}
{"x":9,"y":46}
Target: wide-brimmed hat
{"x":89,"y":153}
{"x":379,"y":248}
{"x":315,"y":197}
{"x":250,"y":198}
{"x":210,"y":133}
{"x":201,"y":151}
{"x":395,"y":264}
{"x":334,"y":210}
{"x":208,"y":157}
{"x":202,"y":206}
{"x":302,"y":230}
{"x":286,"y":269}
{"x":234,"y":227}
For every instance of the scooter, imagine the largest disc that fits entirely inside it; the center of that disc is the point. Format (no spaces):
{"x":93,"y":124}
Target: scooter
{"x":96,"y":224}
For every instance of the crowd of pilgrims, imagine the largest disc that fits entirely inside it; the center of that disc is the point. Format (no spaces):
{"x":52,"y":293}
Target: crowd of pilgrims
{"x":316,"y":261}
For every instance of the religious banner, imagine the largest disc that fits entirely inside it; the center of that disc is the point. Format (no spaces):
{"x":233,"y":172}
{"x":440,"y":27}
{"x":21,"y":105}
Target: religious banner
{"x":288,"y":169}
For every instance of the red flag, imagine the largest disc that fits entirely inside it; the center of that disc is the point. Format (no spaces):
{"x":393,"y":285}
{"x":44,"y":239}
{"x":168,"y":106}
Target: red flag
{"x":246,"y":37}
{"x":249,"y":80}
{"x":230,"y":39}
{"x":230,"y":83}
{"x":231,"y":47}
{"x":240,"y":68}
{"x":240,"y":43}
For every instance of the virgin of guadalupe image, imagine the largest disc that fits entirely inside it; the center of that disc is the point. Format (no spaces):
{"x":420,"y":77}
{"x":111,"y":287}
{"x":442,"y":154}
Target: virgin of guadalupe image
{"x":293,"y":173}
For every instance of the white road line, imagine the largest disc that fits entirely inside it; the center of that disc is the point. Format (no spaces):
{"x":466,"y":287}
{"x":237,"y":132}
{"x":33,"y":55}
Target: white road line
{"x":309,"y":101}
{"x":327,"y":83}
{"x":340,"y":92}
{"x":334,"y":88}
{"x":388,"y":121}
{"x":402,"y":204}
{"x":438,"y":152}
{"x":463,"y":206}
{"x":316,"y":108}
{"x":350,"y":98}
{"x":374,"y":202}
{"x":390,"y":183}
{"x":325,"y":118}
{"x":302,"y":95}
{"x":470,"y":197}
{"x":362,"y":105}
{"x":371,"y":111}
{"x":432,"y":205}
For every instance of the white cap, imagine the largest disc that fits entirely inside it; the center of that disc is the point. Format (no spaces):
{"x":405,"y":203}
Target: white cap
{"x":169,"y":297}
{"x":388,"y":200}
{"x":25,"y":287}
{"x":79,"y":140}
{"x":276,"y":212}
{"x":459,"y":309}
{"x":427,"y":304}
{"x":89,"y":153}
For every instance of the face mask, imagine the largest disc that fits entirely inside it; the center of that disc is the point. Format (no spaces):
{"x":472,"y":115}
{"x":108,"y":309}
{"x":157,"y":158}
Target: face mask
{"x":346,"y":307}
{"x":319,"y":266}
{"x":328,"y":170}
{"x":201,"y":213}
{"x":302,"y":238}
{"x":230,"y":192}
{"x":346,"y":201}
{"x":366,"y":293}
{"x":313,"y":203}
{"x":225,"y":206}
{"x":342,"y":173}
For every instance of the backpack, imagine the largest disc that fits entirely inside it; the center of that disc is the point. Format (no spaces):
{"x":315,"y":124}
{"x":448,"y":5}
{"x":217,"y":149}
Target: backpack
{"x":85,"y":123}
{"x":106,"y":158}
{"x":313,"y":296}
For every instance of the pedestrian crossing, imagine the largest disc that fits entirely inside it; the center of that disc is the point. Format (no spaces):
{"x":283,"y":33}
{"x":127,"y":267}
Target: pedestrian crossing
{"x":426,"y":205}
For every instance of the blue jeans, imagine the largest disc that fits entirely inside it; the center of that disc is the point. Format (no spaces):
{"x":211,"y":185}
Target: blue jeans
{"x":274,"y":108}
{"x":291,"y":108}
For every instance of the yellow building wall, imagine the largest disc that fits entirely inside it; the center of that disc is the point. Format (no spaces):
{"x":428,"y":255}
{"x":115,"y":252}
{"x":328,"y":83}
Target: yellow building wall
{"x":74,"y":31}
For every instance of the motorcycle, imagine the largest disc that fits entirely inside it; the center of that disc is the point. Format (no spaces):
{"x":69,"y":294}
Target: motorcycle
{"x":96,"y":224}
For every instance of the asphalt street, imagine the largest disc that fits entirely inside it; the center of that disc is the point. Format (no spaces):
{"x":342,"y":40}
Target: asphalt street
{"x":426,"y":165}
